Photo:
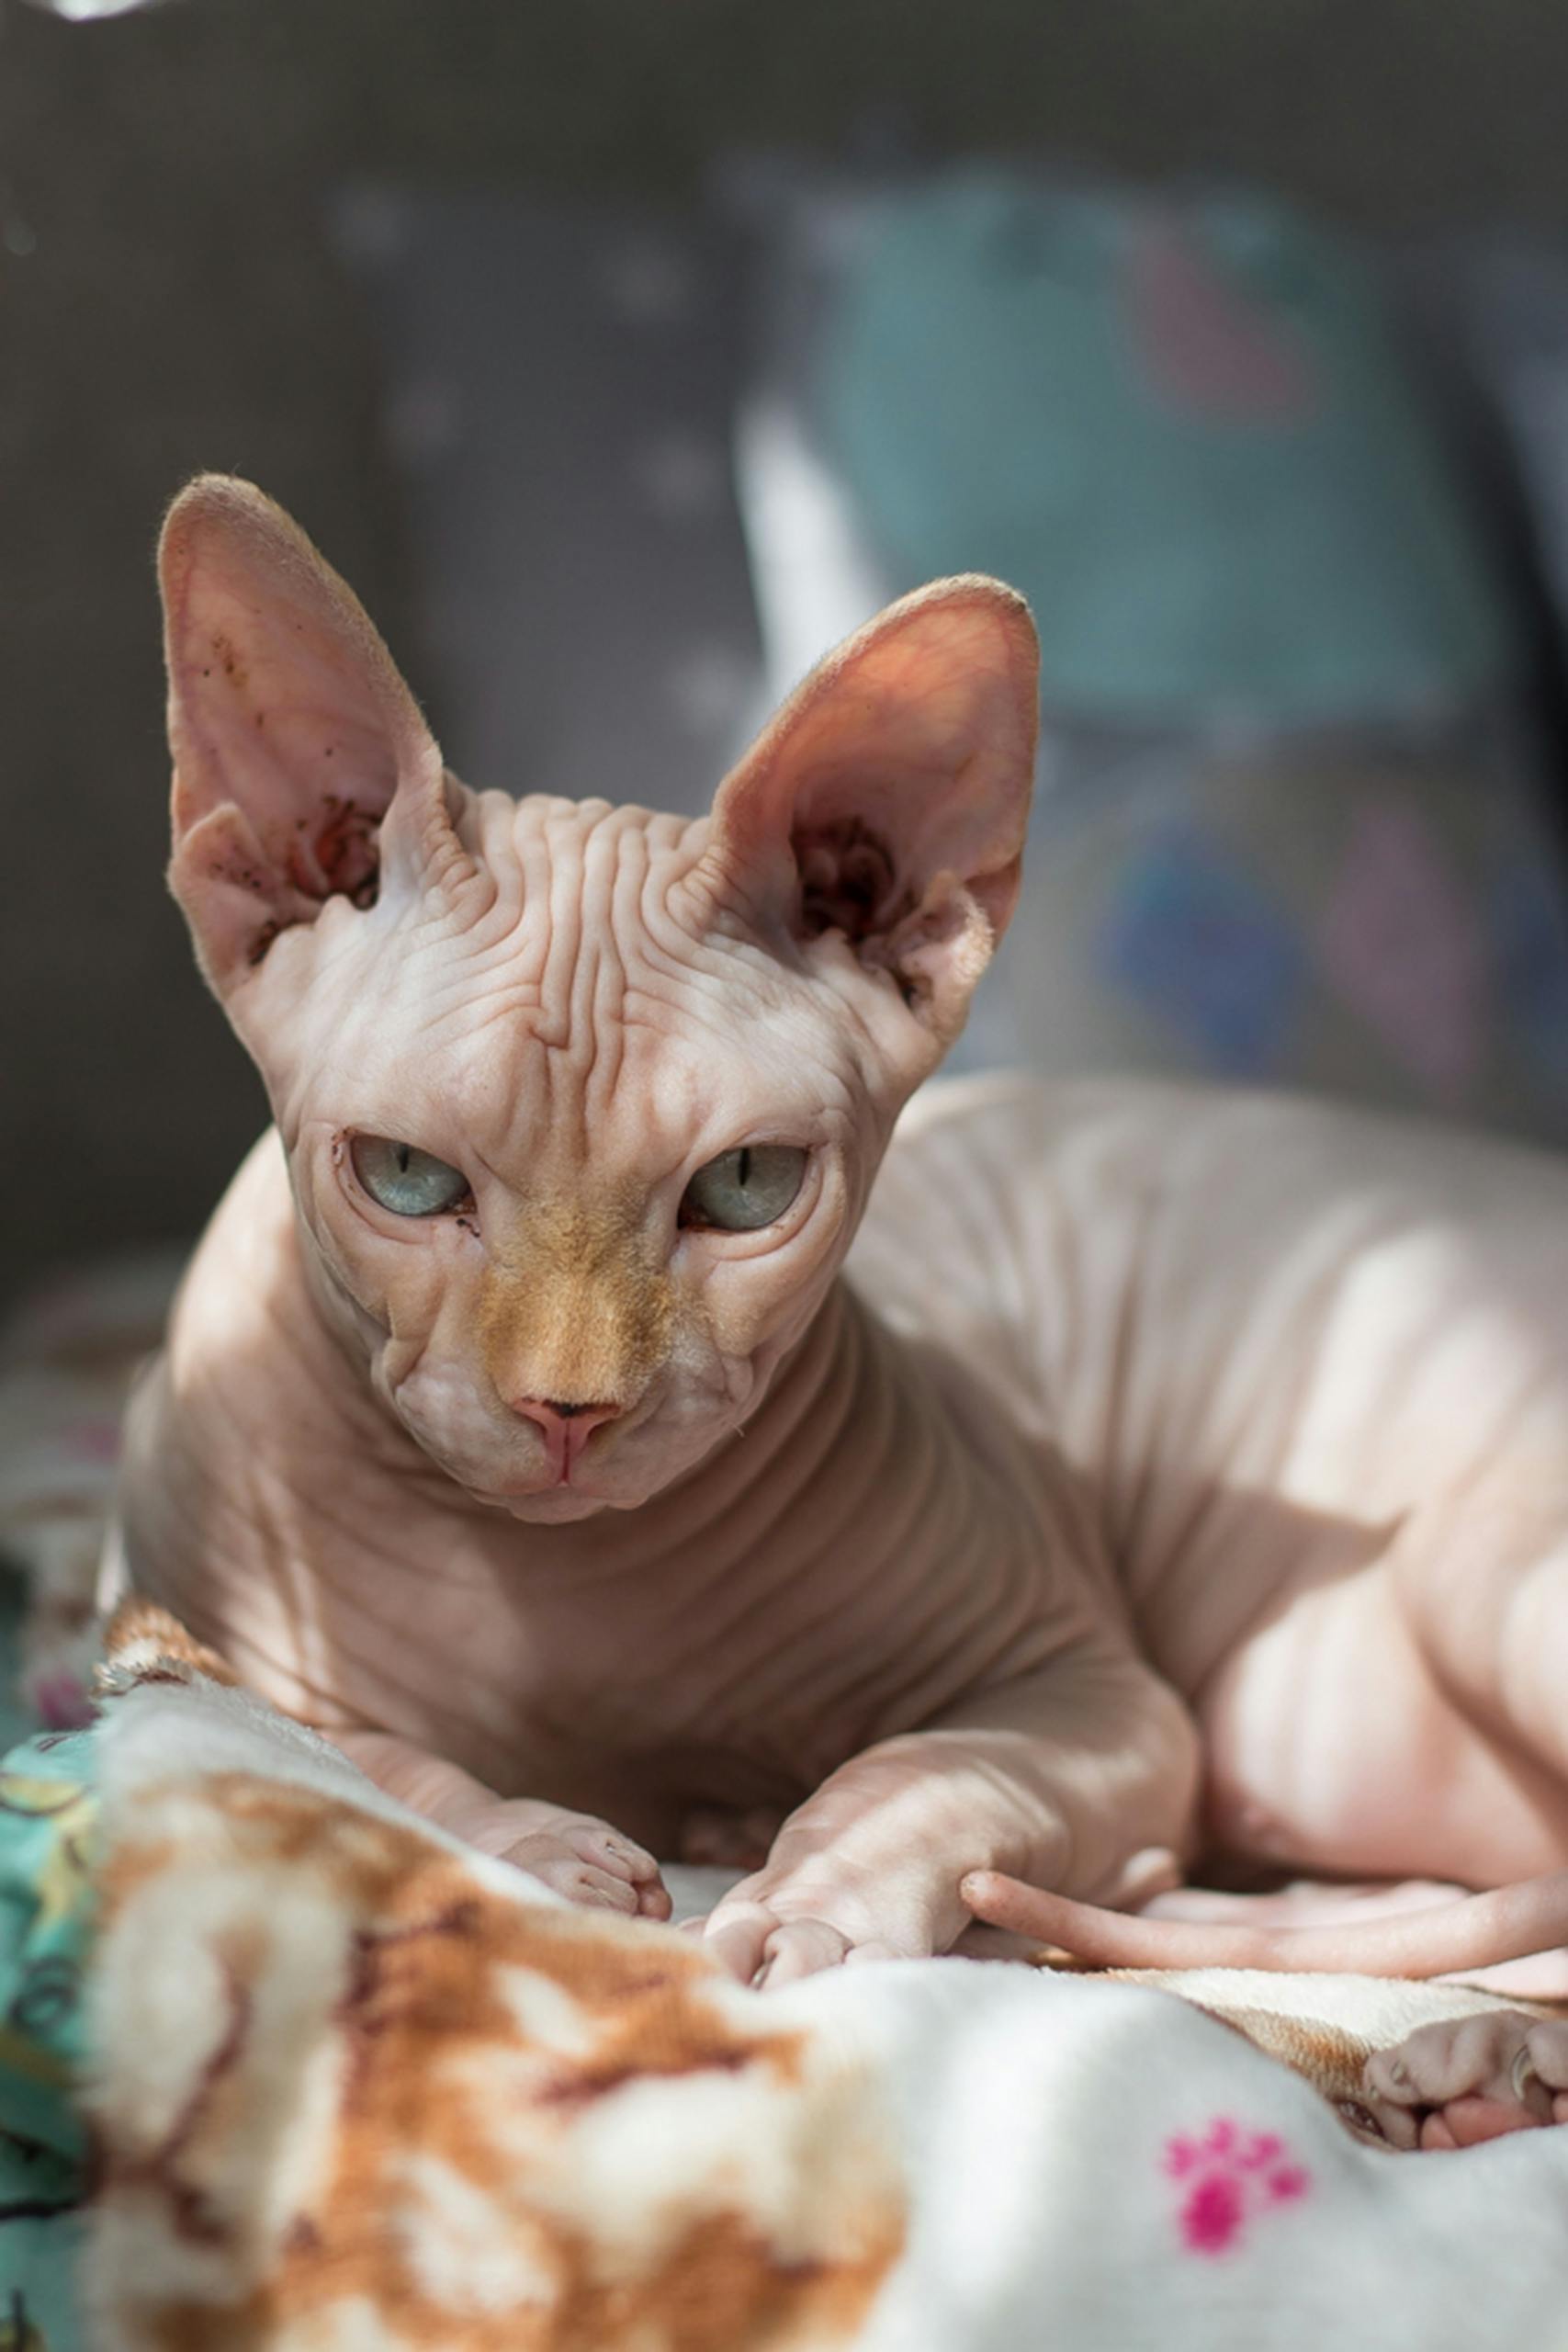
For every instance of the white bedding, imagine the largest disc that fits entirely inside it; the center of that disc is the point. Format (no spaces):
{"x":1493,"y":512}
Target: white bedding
{"x":993,"y":2157}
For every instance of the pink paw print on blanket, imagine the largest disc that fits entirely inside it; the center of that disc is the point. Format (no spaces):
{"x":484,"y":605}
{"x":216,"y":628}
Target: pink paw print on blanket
{"x":1226,"y":2176}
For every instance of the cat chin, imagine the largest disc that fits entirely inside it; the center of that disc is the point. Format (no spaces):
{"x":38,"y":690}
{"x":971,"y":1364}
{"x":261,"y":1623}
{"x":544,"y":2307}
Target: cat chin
{"x":557,"y":1505}
{"x":554,"y":1506}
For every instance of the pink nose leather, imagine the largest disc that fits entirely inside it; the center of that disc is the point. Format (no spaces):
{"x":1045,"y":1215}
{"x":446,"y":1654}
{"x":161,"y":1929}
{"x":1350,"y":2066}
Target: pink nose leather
{"x":565,"y":1428}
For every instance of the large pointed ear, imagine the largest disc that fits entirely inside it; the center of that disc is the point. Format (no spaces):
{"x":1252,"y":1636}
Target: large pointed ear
{"x":293,"y":734}
{"x":885,"y":806}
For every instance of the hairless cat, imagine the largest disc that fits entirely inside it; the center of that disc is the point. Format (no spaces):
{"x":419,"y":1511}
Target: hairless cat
{"x":1159,"y":1474}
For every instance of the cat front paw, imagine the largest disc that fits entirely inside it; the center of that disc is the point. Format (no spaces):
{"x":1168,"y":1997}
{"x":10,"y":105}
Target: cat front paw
{"x":769,"y":1931}
{"x":760,"y":1949}
{"x":575,"y":1854}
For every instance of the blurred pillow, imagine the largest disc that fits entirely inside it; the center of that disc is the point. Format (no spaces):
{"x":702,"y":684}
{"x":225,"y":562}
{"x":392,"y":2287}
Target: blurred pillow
{"x":1288,"y":825}
{"x":1337,"y":916}
{"x":1179,"y":428}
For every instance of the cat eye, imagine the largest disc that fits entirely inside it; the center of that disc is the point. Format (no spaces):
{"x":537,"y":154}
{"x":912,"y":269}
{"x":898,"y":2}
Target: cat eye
{"x":408,"y":1182}
{"x":746,"y":1188}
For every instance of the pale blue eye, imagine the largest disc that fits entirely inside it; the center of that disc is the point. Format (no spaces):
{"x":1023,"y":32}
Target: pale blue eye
{"x":405,"y":1180}
{"x":744,"y":1188}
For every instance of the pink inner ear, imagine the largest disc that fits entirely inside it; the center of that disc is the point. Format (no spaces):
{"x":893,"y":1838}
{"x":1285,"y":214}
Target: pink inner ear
{"x":269,"y":722}
{"x":291,"y":729}
{"x":898,"y":776}
{"x":334,"y":851}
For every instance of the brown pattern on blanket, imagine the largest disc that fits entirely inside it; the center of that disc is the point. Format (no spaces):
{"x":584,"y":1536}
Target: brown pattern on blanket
{"x":389,"y":2106}
{"x":143,"y":1643}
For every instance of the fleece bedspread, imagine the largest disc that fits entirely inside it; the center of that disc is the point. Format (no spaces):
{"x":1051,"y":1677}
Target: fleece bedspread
{"x":347,"y":2086}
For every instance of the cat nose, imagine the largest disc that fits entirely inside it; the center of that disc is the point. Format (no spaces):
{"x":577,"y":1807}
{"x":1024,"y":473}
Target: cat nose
{"x":566,"y":1427}
{"x":549,"y":1410}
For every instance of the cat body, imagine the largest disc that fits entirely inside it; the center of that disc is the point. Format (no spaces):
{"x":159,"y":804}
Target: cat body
{"x":1156,"y":1473}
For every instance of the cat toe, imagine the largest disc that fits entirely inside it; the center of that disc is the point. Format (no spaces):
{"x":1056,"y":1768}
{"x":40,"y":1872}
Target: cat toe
{"x":558,"y":1866}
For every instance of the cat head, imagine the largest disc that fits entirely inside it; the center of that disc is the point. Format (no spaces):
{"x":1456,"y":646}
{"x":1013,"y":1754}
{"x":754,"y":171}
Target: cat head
{"x":581,"y":1103}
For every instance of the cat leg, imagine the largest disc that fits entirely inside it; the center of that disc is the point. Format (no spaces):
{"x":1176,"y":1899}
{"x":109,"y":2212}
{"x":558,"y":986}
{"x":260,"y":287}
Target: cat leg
{"x":1088,"y":1767}
{"x":577,"y":1855}
{"x":1462,"y":2080}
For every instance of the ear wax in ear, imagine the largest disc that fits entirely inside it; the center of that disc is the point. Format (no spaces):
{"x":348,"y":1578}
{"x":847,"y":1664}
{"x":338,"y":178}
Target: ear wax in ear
{"x":848,"y":880}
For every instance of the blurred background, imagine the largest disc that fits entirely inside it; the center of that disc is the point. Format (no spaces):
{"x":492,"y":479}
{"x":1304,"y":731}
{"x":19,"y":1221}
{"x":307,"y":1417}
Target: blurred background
{"x":621,"y":356}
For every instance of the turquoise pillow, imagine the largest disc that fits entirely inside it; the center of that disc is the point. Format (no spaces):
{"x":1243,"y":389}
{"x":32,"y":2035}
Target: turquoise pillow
{"x":1181,"y":428}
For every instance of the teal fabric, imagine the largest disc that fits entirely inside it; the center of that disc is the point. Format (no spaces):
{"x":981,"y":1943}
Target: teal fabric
{"x":47,"y":1816}
{"x":1181,"y":428}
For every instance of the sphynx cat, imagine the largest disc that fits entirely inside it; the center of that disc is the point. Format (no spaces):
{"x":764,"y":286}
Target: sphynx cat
{"x":1158,"y":1475}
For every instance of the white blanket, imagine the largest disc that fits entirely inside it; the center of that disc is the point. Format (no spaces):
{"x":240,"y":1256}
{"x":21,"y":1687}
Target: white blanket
{"x":358,"y":2091}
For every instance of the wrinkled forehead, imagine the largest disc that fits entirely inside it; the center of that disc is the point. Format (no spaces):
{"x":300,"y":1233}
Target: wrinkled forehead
{"x":569,"y":1010}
